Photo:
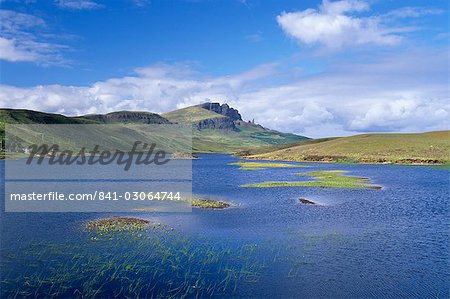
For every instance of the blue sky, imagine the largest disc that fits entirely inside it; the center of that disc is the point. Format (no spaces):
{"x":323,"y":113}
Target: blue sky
{"x":318,"y":68}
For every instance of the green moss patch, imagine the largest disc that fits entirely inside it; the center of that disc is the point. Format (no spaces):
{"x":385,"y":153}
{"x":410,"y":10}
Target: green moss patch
{"x":322,"y":179}
{"x":261,"y":165}
{"x":117,"y":224}
{"x":209,"y":204}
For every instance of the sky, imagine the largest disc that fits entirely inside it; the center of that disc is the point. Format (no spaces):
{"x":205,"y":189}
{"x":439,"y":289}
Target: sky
{"x":315,"y":68}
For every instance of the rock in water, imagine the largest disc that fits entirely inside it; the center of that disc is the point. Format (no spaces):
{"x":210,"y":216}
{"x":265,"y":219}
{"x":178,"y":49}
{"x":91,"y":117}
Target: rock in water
{"x":306,"y":201}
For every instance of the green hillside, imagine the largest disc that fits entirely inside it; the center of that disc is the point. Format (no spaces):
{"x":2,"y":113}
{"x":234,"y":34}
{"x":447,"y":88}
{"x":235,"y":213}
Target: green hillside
{"x":22,"y":116}
{"x":226,"y":133}
{"x":191,"y":114}
{"x":419,"y":148}
{"x":212,"y":132}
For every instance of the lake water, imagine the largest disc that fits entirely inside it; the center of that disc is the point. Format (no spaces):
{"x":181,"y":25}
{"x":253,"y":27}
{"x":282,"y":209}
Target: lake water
{"x":366,"y":243}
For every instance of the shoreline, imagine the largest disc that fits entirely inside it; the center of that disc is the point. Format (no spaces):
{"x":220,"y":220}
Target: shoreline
{"x":343,"y":162}
{"x":253,"y":158}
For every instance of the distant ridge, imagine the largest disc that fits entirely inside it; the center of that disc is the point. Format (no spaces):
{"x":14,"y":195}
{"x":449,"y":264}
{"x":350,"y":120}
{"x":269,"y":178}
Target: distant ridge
{"x":127,"y":117}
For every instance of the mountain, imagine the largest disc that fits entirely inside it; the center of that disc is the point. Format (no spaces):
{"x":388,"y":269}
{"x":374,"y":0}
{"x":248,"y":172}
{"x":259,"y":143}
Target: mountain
{"x":415,"y":148}
{"x":220,"y":128}
{"x":216,"y":128}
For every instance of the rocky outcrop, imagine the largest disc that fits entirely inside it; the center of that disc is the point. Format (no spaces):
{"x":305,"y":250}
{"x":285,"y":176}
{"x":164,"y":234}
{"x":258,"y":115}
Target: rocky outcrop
{"x":223,"y":109}
{"x":306,"y":201}
{"x":129,"y":117}
{"x":219,"y":123}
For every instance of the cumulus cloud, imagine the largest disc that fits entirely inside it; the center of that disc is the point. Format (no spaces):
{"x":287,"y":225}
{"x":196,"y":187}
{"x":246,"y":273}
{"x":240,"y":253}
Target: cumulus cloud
{"x":396,"y":114}
{"x":335,"y":25}
{"x":405,"y":92}
{"x":78,"y":4}
{"x":21,"y":40}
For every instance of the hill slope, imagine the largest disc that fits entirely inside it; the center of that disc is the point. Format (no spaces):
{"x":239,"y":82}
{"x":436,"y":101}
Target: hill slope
{"x":131,"y":127}
{"x":419,"y":148}
{"x":220,"y":129}
{"x":23,"y":116}
{"x":191,"y":114}
{"x":216,"y":128}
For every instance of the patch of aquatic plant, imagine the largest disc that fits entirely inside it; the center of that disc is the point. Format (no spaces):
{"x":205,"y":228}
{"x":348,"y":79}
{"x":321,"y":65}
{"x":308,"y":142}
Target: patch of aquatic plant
{"x":209,"y":203}
{"x":322,"y":179}
{"x":262,"y":165}
{"x":117,"y":224}
{"x":195,"y":203}
{"x":163,"y":265}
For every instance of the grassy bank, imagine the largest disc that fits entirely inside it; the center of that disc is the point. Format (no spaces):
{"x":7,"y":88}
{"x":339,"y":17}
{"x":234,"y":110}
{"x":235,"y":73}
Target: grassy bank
{"x":419,"y":148}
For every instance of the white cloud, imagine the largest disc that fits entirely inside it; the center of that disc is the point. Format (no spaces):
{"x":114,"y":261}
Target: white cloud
{"x":21,"y":40}
{"x":397,"y":114}
{"x":10,"y":51}
{"x":406,"y":92}
{"x":333,"y":27}
{"x":78,"y":4}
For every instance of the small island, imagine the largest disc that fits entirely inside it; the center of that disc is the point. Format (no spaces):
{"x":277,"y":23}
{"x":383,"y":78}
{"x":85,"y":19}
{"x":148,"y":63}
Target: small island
{"x":117,"y":224}
{"x":322,"y":179}
{"x":209,"y":204}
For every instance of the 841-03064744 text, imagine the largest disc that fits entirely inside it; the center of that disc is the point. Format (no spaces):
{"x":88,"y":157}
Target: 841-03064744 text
{"x":97,"y":195}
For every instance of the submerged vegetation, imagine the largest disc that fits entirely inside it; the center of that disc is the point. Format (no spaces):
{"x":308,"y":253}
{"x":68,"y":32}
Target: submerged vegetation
{"x":323,"y":179}
{"x":262,"y":165}
{"x":157,"y":265}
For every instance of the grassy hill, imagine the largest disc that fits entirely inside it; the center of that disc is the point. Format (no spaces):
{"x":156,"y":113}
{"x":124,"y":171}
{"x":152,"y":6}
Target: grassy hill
{"x":419,"y":148}
{"x":234,"y":134}
{"x":212,"y":132}
{"x":130,"y":127}
{"x":23,"y":116}
{"x":227,"y":133}
{"x":191,"y":114}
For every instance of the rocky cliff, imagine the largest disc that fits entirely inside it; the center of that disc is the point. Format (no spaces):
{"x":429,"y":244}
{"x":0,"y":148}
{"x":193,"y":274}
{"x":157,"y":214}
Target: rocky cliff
{"x":223,"y":109}
{"x":219,"y":123}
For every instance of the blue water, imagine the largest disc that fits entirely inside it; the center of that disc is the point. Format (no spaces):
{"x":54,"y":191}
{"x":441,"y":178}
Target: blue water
{"x":365,"y":243}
